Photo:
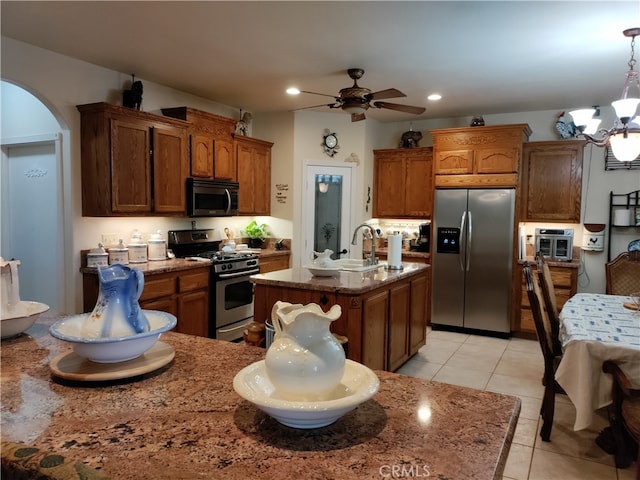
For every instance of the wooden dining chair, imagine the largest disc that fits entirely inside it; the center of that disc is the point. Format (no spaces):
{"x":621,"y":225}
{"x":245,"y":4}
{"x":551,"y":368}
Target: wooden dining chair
{"x":550,"y":302}
{"x":551,"y":360}
{"x":624,"y":418}
{"x":622,"y":275}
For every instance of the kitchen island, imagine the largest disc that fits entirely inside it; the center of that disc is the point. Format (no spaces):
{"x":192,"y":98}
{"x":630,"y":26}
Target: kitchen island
{"x":185,"y":421}
{"x":384,"y":312}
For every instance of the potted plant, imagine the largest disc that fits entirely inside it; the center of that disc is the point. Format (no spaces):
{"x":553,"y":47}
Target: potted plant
{"x":256,"y":233}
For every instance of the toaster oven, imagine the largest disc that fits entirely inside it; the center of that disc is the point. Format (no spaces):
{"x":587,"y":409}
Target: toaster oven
{"x":555,"y":243}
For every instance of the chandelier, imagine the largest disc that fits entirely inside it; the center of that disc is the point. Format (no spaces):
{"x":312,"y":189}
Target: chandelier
{"x":624,"y":136}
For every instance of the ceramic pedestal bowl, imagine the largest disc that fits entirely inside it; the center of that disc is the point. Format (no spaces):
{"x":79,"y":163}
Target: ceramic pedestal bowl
{"x":358,"y":385}
{"x":18,"y":319}
{"x":112,"y":349}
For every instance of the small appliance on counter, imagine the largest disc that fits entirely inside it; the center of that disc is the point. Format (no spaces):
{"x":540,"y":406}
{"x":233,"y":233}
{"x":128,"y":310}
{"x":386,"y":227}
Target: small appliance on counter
{"x":424,"y":238}
{"x":555,"y":243}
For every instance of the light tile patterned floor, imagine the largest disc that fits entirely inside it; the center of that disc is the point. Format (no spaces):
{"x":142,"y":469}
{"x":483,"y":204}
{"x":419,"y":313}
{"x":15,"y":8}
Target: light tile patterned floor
{"x":515,"y":367}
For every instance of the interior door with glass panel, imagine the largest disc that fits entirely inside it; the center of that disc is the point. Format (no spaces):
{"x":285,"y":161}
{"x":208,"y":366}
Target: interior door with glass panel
{"x":327,"y":210}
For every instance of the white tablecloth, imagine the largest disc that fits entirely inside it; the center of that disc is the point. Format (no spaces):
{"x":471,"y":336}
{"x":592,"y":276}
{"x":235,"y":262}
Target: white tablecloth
{"x":595,"y":328}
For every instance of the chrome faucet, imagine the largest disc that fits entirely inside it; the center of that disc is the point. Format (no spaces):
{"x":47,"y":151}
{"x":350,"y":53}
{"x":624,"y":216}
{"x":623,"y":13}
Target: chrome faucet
{"x":371,"y":259}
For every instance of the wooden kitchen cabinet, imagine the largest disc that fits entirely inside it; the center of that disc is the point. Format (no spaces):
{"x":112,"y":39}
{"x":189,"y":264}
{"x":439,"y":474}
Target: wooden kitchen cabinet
{"x":565,"y":285}
{"x":478,"y":156}
{"x":183,"y":293}
{"x":211,"y":143}
{"x":133,"y":162}
{"x":274,"y":262}
{"x":253,"y":158}
{"x":403,"y":182}
{"x":552,"y":181}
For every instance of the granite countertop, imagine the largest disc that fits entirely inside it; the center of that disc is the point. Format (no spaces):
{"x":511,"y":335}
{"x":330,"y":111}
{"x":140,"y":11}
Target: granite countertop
{"x":155,"y":267}
{"x":343,"y":282}
{"x":185,"y":421}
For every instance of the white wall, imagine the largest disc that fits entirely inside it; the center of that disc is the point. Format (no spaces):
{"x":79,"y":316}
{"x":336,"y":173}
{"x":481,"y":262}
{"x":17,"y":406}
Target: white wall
{"x":297,"y":137}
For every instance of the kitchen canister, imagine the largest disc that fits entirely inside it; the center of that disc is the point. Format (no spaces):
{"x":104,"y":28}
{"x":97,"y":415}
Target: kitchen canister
{"x":137,"y":248}
{"x":157,"y":247}
{"x":97,"y":257}
{"x":119,"y":254}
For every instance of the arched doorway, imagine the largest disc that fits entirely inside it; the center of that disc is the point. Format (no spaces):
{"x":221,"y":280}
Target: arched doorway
{"x":32,"y":210}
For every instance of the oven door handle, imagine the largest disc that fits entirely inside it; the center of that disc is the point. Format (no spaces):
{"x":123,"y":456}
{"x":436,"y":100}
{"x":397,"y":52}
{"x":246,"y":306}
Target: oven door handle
{"x":238,"y":274}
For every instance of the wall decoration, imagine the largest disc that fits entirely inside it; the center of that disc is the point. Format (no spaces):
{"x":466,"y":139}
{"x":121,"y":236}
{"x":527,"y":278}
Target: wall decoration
{"x":281,"y":192}
{"x":330,"y":143}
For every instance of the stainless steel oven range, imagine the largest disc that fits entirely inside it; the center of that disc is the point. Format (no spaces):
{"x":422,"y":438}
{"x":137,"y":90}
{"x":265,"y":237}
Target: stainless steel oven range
{"x":231,"y":295}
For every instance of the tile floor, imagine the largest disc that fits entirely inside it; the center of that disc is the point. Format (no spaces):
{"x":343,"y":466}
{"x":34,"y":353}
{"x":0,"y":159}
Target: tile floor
{"x":515,"y":367}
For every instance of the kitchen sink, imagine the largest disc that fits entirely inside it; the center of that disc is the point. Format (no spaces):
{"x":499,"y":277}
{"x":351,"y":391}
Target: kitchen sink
{"x":355,"y":265}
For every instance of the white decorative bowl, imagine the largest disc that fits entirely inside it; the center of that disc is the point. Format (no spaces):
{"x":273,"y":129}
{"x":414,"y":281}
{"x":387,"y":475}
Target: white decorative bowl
{"x":323,"y":271}
{"x":22,"y":318}
{"x":358,"y":385}
{"x":112,"y":349}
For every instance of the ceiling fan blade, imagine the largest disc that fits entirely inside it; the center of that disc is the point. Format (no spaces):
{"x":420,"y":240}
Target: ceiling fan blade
{"x":356,"y":117}
{"x":400,"y":108}
{"x":323,"y":94}
{"x":388,"y":93}
{"x":330,"y":105}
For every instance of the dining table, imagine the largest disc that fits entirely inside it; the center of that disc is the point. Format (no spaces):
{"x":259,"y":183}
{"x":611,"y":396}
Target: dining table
{"x":594,"y":328}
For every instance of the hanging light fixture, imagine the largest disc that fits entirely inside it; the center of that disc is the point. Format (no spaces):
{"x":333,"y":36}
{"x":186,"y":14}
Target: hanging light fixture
{"x":624,"y":136}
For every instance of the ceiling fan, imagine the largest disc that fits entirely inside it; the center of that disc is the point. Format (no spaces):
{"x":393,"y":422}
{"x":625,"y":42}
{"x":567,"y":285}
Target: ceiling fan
{"x":356,"y":99}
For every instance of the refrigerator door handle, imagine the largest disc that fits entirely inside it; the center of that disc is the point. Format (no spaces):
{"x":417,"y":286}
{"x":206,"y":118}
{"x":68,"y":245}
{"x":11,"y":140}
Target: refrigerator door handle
{"x":463,"y":221}
{"x":469,"y":237}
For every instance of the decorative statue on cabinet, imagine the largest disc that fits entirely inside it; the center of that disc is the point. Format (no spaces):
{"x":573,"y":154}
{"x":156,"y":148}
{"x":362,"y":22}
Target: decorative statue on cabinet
{"x":242,"y":126}
{"x":410,"y":139}
{"x":132,"y":98}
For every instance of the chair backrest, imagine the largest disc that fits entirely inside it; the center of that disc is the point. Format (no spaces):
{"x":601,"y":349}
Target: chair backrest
{"x":550,"y":302}
{"x":623,"y":275}
{"x":540,"y":318}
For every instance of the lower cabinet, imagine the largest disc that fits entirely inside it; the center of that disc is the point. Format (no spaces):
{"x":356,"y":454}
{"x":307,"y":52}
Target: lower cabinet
{"x":565,"y":285}
{"x":184,"y":294}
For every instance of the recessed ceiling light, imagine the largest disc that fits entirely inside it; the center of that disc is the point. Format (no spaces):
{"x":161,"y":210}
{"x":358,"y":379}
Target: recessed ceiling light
{"x":434,"y":96}
{"x":293,"y":91}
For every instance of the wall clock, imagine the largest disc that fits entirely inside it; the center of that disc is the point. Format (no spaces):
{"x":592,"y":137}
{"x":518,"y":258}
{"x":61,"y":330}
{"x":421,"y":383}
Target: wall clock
{"x":330,"y":143}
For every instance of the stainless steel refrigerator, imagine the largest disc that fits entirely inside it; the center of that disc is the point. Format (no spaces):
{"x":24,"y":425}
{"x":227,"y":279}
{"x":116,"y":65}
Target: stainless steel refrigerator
{"x":473,"y":259}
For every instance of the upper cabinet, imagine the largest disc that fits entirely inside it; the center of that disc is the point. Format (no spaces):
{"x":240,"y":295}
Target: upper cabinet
{"x":478,"y":156}
{"x":552,"y":181}
{"x":211,"y":143}
{"x":254,"y":175}
{"x":132,"y":162}
{"x":403,"y":180}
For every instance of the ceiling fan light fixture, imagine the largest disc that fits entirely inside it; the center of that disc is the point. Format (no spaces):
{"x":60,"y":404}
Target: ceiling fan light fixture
{"x":354,"y":108}
{"x":434,"y":97}
{"x":293,"y":91}
{"x":624,"y":136}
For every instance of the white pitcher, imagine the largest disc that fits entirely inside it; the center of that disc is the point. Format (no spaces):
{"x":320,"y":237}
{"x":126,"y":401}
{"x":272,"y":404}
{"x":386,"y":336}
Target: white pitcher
{"x":305,"y":362}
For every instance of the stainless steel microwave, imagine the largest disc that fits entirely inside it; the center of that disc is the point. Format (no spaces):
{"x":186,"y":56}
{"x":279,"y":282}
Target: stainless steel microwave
{"x":211,"y":198}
